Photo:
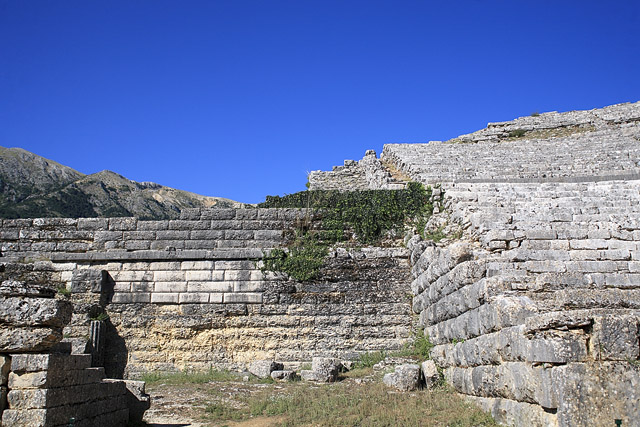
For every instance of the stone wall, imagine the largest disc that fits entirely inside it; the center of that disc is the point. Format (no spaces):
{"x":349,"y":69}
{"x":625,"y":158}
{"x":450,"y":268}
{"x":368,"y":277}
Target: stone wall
{"x":190,"y":293}
{"x":535,"y":313}
{"x":532,"y":297}
{"x":42,"y":384}
{"x":576,"y":146}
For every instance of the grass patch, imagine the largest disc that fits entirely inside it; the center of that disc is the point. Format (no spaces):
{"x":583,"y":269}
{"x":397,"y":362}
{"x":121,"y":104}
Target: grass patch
{"x":62,"y":290}
{"x":368,"y":405}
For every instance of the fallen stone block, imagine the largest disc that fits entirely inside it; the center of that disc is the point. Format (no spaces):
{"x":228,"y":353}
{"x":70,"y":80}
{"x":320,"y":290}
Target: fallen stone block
{"x":281,"y":375}
{"x":430,"y":374}
{"x":405,"y":378}
{"x":263,"y":368}
{"x":326,"y":368}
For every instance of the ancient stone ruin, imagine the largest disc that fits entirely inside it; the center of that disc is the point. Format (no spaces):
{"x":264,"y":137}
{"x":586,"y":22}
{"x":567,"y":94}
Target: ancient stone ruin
{"x":526,"y":279}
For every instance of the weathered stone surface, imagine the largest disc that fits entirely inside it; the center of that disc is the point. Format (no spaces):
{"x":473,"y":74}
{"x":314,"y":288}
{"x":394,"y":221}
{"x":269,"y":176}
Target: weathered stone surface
{"x":29,"y":311}
{"x":283,"y":375}
{"x":25,"y":338}
{"x":325,"y":368}
{"x":43,"y":362}
{"x":263,"y":368}
{"x":404,"y":378}
{"x":598,"y":392}
{"x":48,"y":379}
{"x":430,"y":373}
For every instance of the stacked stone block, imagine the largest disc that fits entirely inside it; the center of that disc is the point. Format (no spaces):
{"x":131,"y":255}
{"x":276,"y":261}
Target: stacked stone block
{"x":184,"y":308}
{"x":62,"y":389}
{"x":593,"y":145}
{"x":359,"y":304}
{"x":197,"y":229}
{"x":538,"y":319}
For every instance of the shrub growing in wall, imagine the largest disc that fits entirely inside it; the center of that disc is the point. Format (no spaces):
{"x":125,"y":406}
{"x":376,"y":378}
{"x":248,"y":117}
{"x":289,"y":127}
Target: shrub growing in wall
{"x":368,"y":215}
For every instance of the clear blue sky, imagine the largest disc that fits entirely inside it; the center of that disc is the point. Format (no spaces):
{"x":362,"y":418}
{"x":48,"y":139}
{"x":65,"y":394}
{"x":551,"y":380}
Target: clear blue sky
{"x":241,"y":99}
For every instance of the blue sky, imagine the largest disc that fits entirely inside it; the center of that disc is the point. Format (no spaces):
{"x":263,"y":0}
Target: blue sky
{"x":240,"y":99}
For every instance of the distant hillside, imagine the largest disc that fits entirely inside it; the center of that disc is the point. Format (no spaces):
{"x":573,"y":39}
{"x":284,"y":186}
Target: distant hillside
{"x":32,"y":186}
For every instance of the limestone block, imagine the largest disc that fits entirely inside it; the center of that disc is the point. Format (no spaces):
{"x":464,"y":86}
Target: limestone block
{"x":218,"y":214}
{"x":122,"y":224}
{"x":263,"y":368}
{"x":26,"y":418}
{"x":248,"y":286}
{"x":430,"y":374}
{"x":235,"y":265}
{"x":44,"y":362}
{"x":326,"y":368}
{"x":597,"y":393}
{"x":198,"y":275}
{"x":405,"y":377}
{"x":615,"y":338}
{"x":243,"y":297}
{"x":216,"y":297}
{"x":130,"y":298}
{"x":193,"y":298}
{"x":206,"y":235}
{"x":239,"y":234}
{"x":246,"y":214}
{"x":168,"y":276}
{"x":209,"y":286}
{"x":233,"y":275}
{"x":59,"y":396}
{"x":17,"y":339}
{"x":26,"y":311}
{"x":514,"y":413}
{"x":179,"y":224}
{"x":164,"y":298}
{"x":170,"y":287}
{"x":49,"y":379}
{"x":172,"y":235}
{"x":283,"y":375}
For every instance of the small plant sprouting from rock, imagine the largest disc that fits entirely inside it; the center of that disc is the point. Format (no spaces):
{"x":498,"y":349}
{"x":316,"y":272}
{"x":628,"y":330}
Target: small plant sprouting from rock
{"x":518,"y":133}
{"x":535,"y":114}
{"x":101,"y":317}
{"x":62,"y":290}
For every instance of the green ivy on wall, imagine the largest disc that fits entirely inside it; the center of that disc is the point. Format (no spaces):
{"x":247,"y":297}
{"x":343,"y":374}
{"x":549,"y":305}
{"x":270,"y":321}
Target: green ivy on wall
{"x":368,"y":215}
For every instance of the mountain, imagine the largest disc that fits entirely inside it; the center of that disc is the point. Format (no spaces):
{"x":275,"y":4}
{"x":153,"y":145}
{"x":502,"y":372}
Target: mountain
{"x":32,"y":186}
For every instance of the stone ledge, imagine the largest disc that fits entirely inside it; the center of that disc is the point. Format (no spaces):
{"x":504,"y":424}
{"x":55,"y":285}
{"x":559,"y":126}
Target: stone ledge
{"x":153,"y":255}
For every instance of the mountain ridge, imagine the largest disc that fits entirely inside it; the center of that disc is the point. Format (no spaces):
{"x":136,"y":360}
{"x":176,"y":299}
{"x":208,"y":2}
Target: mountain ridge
{"x":33,"y":186}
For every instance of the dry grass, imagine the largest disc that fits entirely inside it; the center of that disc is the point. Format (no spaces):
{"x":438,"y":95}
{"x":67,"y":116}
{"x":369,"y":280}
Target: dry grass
{"x":359,"y":399}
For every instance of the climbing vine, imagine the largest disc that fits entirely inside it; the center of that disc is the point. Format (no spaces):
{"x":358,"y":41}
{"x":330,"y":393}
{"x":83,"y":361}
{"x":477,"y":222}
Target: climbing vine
{"x":360,"y":217}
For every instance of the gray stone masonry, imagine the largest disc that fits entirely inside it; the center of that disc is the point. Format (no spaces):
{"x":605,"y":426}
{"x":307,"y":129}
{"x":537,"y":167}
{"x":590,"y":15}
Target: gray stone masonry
{"x":365,"y":174}
{"x":539,"y":300}
{"x":52,"y":389}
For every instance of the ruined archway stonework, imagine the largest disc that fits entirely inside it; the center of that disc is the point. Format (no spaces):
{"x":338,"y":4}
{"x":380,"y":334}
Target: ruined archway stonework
{"x":532,"y":302}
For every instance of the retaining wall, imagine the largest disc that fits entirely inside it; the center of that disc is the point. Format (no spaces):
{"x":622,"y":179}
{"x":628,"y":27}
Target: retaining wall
{"x":190,"y":293}
{"x":536,"y":312}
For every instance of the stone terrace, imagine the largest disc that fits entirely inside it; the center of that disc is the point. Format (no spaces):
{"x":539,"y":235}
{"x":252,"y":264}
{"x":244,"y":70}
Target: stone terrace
{"x":608,"y":151}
